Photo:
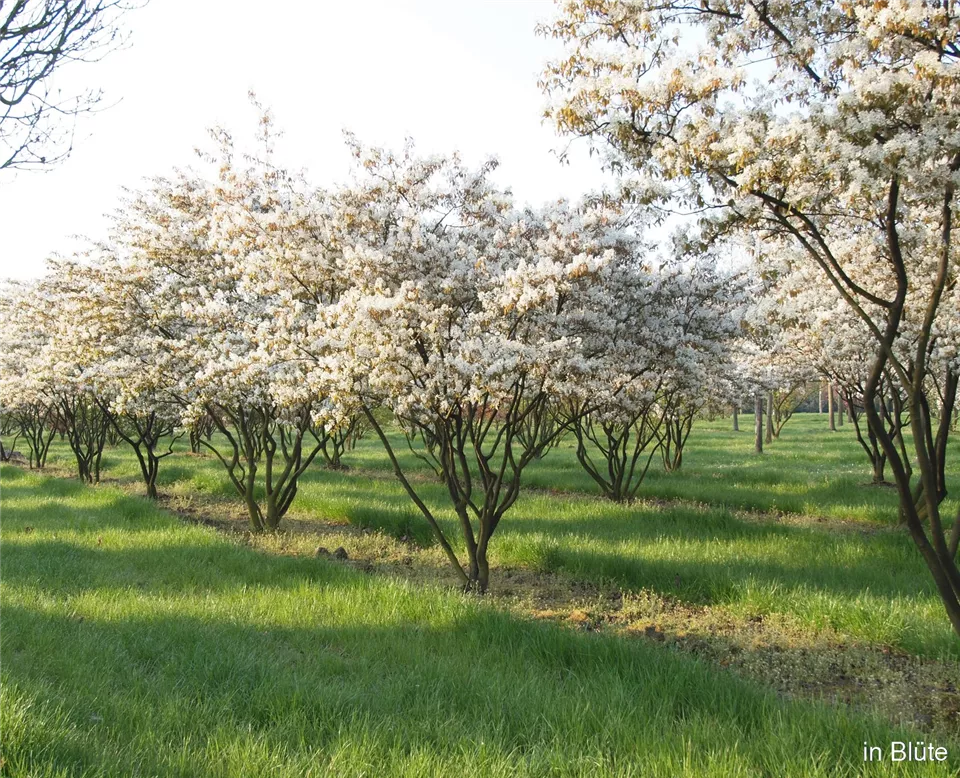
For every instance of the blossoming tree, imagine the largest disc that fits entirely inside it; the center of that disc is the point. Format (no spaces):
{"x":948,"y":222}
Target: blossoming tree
{"x":25,"y":401}
{"x":237,"y":260}
{"x":830,"y":126}
{"x":469,"y":321}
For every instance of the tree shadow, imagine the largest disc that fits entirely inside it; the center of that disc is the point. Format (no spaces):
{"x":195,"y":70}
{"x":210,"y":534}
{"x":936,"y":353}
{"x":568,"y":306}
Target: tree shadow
{"x":173,"y":568}
{"x":242,"y":663}
{"x":116,"y":695}
{"x":883,"y":565}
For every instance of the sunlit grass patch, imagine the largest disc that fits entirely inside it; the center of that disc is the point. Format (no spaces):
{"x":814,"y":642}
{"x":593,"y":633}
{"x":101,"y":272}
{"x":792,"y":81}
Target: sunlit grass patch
{"x":798,"y":531}
{"x":167,"y":648}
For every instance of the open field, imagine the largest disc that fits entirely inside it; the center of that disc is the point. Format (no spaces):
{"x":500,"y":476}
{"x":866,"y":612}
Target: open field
{"x":137,"y":644}
{"x":854,"y":571}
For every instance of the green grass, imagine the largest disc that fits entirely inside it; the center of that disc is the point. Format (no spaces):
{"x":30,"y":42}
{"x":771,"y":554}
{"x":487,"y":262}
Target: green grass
{"x":865,"y":580}
{"x":809,"y":470}
{"x":136,"y":645}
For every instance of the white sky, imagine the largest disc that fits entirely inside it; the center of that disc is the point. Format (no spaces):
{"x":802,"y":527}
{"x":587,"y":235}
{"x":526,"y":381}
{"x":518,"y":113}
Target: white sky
{"x":452,"y":74}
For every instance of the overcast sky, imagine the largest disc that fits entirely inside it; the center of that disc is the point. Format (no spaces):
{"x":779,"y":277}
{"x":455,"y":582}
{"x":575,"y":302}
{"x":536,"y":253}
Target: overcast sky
{"x":454,"y":75}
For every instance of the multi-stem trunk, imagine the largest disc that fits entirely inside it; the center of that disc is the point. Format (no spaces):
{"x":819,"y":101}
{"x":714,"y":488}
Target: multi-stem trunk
{"x":85,"y":425}
{"x":923,"y":507}
{"x":143,"y":434}
{"x":624,"y":449}
{"x":869,"y":443}
{"x":36,"y":422}
{"x":476,"y":451}
{"x":677,"y":424}
{"x":257,"y":441}
{"x":920,"y":505}
{"x":336,"y":443}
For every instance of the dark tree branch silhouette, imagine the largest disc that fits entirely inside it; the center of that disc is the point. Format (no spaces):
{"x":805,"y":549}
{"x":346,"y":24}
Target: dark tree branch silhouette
{"x":37,"y":37}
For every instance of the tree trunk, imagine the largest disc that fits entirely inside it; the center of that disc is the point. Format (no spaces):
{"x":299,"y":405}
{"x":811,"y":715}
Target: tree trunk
{"x":480,"y":568}
{"x":833,"y":421}
{"x":879,"y":466}
{"x":736,"y":418}
{"x":758,"y":422}
{"x":150,"y":476}
{"x":769,"y":417}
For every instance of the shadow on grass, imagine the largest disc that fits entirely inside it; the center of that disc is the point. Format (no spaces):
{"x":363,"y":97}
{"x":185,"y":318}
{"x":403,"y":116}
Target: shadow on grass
{"x":118,"y":695}
{"x":872,"y":586}
{"x":715,"y":553}
{"x":280,"y":666}
{"x":173,"y":569}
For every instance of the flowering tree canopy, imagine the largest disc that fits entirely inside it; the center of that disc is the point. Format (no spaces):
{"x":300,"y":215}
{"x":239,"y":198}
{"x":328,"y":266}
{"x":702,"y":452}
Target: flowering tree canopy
{"x":832,"y":127}
{"x":242,"y":301}
{"x":470,"y":320}
{"x":232,"y":272}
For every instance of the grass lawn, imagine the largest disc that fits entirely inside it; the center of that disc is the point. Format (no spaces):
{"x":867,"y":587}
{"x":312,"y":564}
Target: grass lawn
{"x":825,"y":552}
{"x":134,"y":644}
